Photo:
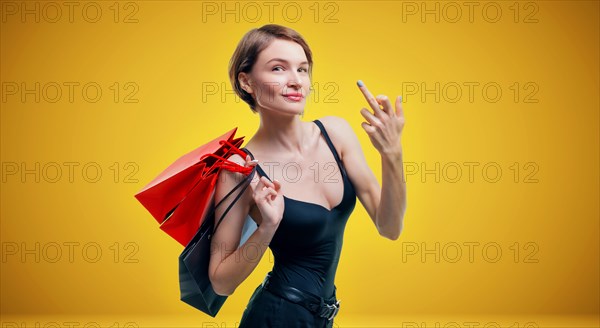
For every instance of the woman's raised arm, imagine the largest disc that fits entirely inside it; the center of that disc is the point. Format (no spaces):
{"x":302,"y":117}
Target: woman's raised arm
{"x":231,"y":264}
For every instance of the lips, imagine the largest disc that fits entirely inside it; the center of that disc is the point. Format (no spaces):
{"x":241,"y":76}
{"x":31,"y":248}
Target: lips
{"x":296,"y":96}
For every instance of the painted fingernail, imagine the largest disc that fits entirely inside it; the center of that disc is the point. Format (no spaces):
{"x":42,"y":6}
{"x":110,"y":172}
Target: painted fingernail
{"x":360,"y":83}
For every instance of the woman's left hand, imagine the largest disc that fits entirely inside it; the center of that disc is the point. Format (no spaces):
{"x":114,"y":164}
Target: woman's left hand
{"x":385,"y":124}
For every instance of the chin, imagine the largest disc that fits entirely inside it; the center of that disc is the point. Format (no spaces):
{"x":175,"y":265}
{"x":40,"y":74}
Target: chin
{"x":295,"y":107}
{"x":287,"y":108}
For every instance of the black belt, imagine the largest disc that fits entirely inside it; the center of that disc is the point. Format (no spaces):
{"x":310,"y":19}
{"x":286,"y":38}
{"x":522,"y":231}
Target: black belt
{"x":315,"y":304}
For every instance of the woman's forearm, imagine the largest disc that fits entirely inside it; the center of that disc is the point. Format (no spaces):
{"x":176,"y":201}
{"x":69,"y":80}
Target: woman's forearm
{"x":237,"y":266}
{"x":392,"y":206}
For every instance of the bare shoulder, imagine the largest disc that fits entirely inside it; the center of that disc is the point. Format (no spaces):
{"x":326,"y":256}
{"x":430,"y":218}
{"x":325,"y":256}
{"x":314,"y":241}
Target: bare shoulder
{"x":334,"y":122}
{"x":339,"y":130}
{"x":227,"y":179}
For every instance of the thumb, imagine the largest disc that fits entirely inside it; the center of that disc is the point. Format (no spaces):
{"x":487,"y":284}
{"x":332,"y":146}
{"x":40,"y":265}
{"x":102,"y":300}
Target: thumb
{"x":277,"y":185}
{"x":250,"y":162}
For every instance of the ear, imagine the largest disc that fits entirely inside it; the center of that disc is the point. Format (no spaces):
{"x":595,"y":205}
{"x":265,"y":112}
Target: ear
{"x":245,"y":82}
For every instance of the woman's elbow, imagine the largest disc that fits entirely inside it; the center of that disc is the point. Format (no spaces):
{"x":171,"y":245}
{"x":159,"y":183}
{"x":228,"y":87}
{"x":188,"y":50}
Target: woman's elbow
{"x":218,"y":286}
{"x":392,"y":236}
{"x":222,"y":292}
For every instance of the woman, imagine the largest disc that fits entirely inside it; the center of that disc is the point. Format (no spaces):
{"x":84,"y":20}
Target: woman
{"x":301,"y":212}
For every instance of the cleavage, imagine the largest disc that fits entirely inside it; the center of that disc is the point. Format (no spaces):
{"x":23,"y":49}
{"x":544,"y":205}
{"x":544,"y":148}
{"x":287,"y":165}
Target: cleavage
{"x":321,"y":180}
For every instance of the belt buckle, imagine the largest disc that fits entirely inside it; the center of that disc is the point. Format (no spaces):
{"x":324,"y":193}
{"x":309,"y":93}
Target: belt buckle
{"x":335,"y":307}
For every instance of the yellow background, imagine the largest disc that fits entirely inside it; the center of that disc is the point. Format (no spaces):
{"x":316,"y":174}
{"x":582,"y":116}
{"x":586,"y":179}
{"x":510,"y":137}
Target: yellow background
{"x":166,"y":50}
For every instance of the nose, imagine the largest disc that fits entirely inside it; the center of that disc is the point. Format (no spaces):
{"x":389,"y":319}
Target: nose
{"x":295,"y":81}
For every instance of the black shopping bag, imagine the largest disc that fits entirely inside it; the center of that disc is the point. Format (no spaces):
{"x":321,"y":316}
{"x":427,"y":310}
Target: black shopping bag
{"x":194,"y":283}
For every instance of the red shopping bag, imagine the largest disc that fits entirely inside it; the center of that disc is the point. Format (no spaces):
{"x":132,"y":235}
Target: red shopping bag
{"x":179,"y":196}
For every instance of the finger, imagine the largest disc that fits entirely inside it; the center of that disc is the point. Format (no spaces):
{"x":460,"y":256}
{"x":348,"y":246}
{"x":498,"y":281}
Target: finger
{"x":259,"y":190}
{"x":368,"y":128}
{"x":267,"y":182}
{"x":369,"y":97}
{"x":257,"y":183}
{"x":371,"y":119}
{"x":277,"y":184}
{"x":271,"y":193}
{"x":399,"y":109}
{"x":267,"y":193}
{"x":385,"y":102}
{"x":250,"y":161}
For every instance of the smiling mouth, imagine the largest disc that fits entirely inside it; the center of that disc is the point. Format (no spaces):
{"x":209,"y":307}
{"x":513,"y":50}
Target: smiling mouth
{"x":294,"y":97}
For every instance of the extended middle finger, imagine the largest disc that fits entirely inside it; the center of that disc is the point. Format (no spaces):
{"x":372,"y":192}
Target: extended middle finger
{"x":369,"y":97}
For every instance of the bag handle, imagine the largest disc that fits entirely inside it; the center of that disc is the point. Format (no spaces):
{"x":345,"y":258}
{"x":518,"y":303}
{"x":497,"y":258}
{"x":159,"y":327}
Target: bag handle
{"x":227,"y":164}
{"x":233,"y":148}
{"x":237,"y":197}
{"x":233,"y":167}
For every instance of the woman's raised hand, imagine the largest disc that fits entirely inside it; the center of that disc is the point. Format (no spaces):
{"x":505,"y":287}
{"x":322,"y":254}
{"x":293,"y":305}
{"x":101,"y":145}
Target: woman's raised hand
{"x":268,"y":198}
{"x":384,"y":126}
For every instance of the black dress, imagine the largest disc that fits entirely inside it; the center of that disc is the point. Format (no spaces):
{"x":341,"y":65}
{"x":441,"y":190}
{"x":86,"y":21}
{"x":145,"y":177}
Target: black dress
{"x":306,"y":248}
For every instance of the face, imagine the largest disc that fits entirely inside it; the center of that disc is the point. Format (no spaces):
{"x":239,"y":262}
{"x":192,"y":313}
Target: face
{"x":279,"y":80}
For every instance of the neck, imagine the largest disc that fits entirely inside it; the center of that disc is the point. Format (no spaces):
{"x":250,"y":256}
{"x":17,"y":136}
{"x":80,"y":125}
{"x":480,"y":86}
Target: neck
{"x":282,"y":133}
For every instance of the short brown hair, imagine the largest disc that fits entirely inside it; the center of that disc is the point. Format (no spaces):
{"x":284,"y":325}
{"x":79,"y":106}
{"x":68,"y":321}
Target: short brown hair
{"x":250,"y":46}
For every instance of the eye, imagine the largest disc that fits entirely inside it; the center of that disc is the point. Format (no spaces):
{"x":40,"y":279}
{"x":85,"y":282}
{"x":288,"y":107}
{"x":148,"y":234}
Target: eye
{"x":276,"y":67}
{"x":304,"y":69}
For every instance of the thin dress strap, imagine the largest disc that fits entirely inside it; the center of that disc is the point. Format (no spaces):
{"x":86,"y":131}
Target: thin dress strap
{"x":330,"y":144}
{"x":261,"y":172}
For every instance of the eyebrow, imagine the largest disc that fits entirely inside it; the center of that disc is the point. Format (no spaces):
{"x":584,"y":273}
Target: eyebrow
{"x":284,"y":61}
